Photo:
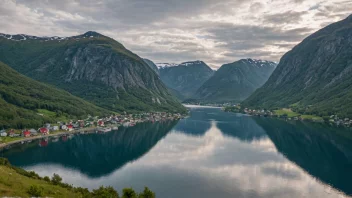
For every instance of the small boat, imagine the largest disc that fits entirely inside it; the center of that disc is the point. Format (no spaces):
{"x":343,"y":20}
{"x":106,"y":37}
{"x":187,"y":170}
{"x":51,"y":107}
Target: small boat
{"x":115,"y":128}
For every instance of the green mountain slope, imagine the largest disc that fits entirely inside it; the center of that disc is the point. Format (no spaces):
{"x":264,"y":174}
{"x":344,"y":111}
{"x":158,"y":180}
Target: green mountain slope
{"x":91,"y":66}
{"x":186,"y":77}
{"x":315,"y":77}
{"x":234,"y":82}
{"x":22,"y":99}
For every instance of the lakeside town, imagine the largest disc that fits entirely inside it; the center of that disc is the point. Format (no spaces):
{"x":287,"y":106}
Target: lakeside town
{"x":288,"y":114}
{"x":95,"y":124}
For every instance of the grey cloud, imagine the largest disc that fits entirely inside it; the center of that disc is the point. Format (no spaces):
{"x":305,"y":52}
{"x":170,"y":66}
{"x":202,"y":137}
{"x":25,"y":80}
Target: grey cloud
{"x":173,"y":30}
{"x":286,"y":17}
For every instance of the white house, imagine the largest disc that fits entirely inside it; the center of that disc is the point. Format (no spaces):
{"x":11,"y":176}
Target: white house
{"x":55,"y":128}
{"x":3,"y":133}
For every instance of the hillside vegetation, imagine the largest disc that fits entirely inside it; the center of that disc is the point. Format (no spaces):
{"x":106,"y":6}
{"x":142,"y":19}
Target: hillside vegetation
{"x":315,"y":77}
{"x":16,"y":182}
{"x":27,"y":103}
{"x":93,"y":67}
{"x":234,"y":82}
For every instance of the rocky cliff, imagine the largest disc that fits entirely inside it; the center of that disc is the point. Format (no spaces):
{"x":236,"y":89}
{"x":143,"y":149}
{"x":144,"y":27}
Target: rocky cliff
{"x":315,"y":77}
{"x":92,"y":66}
{"x":186,"y":77}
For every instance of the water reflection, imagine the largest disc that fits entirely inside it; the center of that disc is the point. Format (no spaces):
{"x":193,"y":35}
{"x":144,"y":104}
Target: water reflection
{"x":316,"y":148}
{"x":210,"y":154}
{"x":96,"y":154}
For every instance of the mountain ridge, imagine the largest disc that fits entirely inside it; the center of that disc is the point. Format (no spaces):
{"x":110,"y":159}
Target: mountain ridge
{"x":91,"y":66}
{"x":313,"y":77}
{"x":186,"y":77}
{"x":234,"y":82}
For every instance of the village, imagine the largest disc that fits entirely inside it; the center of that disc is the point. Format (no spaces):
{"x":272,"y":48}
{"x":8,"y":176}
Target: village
{"x":96,"y":124}
{"x":333,"y":119}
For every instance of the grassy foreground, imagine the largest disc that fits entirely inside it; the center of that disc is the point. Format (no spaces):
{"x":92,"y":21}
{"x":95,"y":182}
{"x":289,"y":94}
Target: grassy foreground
{"x":16,"y":182}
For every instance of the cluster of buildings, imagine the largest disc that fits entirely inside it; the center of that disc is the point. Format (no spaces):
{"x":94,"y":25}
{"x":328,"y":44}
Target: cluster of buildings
{"x":259,"y":112}
{"x":340,"y":121}
{"x":125,"y":120}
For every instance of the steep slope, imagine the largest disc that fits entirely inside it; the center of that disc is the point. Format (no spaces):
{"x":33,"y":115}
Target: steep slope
{"x":186,"y":77}
{"x":234,"y":82}
{"x":21,"y":100}
{"x":152,"y":65}
{"x":315,"y":76}
{"x":92,"y":66}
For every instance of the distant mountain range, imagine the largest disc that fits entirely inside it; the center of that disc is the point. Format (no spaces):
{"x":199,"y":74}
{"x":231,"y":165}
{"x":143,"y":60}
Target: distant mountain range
{"x":91,"y":66}
{"x":25,"y":102}
{"x":315,"y":77}
{"x":185,"y":78}
{"x":234,"y":82}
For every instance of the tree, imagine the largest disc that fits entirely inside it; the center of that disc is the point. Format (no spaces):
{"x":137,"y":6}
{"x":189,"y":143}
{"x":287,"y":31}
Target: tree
{"x":105,"y":192}
{"x":147,"y":193}
{"x":56,"y":179}
{"x":129,"y":193}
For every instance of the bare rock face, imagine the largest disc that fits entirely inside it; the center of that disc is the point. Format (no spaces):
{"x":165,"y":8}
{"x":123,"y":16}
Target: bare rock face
{"x":91,"y":66}
{"x":185,"y":78}
{"x":315,"y":76}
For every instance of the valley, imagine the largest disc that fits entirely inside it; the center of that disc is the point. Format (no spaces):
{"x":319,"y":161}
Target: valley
{"x":177,"y":98}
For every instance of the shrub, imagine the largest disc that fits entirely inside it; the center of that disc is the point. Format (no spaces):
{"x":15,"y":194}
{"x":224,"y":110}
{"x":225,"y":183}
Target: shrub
{"x":35,"y":191}
{"x":4,"y":161}
{"x":47,"y":179}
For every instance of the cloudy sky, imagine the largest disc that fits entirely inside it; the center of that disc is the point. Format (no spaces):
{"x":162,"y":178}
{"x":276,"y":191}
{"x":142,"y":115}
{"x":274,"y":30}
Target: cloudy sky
{"x":215,"y":31}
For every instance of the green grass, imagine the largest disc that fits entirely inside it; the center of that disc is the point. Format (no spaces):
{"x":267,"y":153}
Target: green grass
{"x":312,"y":117}
{"x":288,"y":112}
{"x":291,"y":114}
{"x":46,"y":112}
{"x":9,"y":139}
{"x":14,"y":184}
{"x":52,"y":115}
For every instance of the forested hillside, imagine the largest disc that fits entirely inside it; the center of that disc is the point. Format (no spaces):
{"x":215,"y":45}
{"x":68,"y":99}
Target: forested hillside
{"x":27,"y":103}
{"x":315,"y":77}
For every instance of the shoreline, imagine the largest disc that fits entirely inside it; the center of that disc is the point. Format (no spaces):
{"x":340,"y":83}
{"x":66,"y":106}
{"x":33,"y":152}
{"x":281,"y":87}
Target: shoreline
{"x":88,"y":130}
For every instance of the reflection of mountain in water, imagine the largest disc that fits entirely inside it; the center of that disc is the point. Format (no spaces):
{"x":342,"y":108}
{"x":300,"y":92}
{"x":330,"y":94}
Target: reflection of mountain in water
{"x":96,"y":154}
{"x":230,"y":124}
{"x":243,"y":128}
{"x":192,"y":127}
{"x":316,"y":148}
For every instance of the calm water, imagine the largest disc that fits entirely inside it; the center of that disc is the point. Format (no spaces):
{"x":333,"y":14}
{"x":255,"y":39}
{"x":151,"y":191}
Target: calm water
{"x":210,"y":154}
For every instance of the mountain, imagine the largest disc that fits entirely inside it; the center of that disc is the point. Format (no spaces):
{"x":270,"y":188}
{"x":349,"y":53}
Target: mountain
{"x":152,"y":65}
{"x":27,"y":103}
{"x":91,"y":66}
{"x":234,"y":82}
{"x":315,"y":77}
{"x":163,"y":65}
{"x":186,"y":77}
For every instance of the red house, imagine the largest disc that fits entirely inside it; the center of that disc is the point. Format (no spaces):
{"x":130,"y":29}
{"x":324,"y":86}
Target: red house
{"x":70,"y":127}
{"x":26,"y":133}
{"x":44,"y":131}
{"x":100,"y":123}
